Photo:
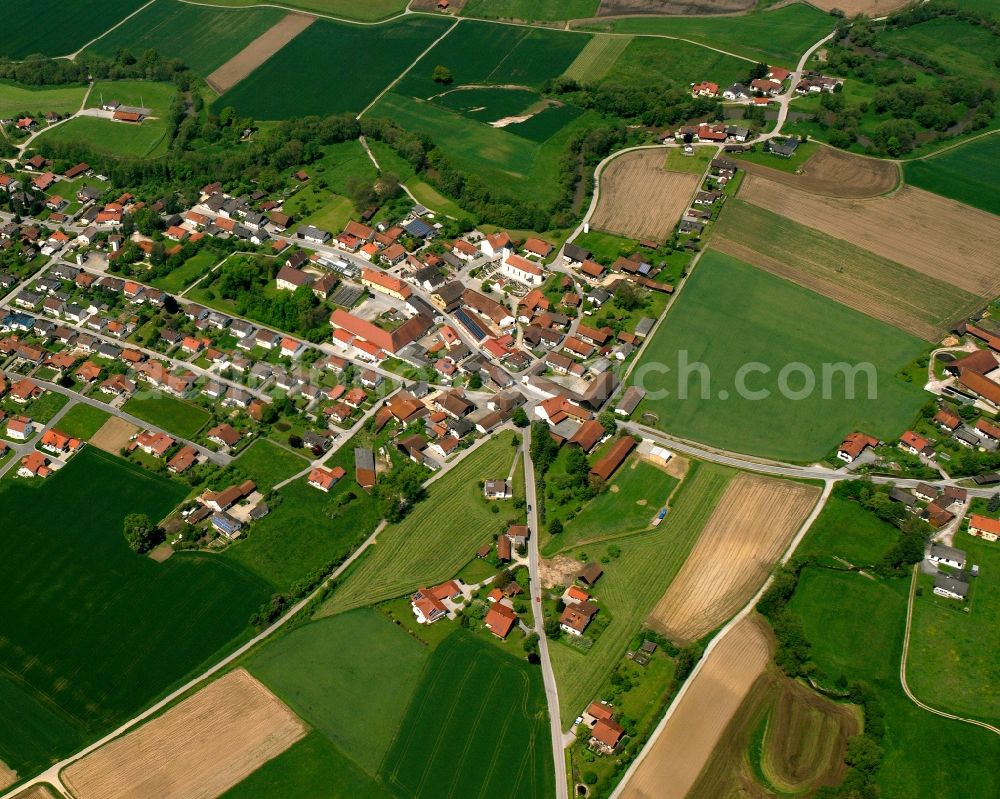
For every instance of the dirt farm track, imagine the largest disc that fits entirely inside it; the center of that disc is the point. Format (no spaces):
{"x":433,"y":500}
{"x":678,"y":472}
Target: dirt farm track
{"x":748,"y":531}
{"x":640,"y":198}
{"x":685,"y":744}
{"x":198,"y":749}
{"x":835,"y":173}
{"x":912,"y":227}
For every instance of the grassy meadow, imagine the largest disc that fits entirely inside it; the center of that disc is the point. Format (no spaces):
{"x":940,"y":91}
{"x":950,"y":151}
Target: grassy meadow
{"x":38,"y":100}
{"x":177,"y":416}
{"x":531,"y":10}
{"x":82,"y":421}
{"x":368,"y":11}
{"x":747,"y":311}
{"x":179,"y":279}
{"x":93,"y":632}
{"x":844,"y":529}
{"x":267,"y":463}
{"x":969,"y":174}
{"x":115,"y":139}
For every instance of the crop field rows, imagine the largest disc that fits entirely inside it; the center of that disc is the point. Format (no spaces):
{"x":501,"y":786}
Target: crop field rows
{"x":634,"y":582}
{"x":830,"y":172}
{"x":969,"y":174}
{"x":597,"y":58}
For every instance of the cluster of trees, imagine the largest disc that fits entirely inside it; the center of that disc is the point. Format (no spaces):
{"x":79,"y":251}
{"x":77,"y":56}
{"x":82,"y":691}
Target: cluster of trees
{"x":914,"y":531}
{"x":864,"y":754}
{"x":401,"y":489}
{"x":141,"y":534}
{"x":39,"y":70}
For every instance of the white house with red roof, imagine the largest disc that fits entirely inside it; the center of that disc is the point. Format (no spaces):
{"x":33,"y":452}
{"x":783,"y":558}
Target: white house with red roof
{"x":430,"y":604}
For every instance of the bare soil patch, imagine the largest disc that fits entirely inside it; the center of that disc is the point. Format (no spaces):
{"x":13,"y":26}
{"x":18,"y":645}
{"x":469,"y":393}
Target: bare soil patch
{"x":871,"y":8}
{"x":7,"y":775}
{"x":560,"y":570}
{"x":684,"y":746}
{"x":933,"y":235}
{"x":258,"y":51}
{"x":454,"y":7}
{"x":198,"y":749}
{"x":39,"y":792}
{"x":162,"y":552}
{"x":640,"y":198}
{"x":835,"y":173}
{"x":113,"y":435}
{"x":609,"y":8}
{"x":748,"y":531}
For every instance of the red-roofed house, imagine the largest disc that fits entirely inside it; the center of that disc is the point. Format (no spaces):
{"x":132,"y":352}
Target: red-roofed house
{"x":429,"y":603}
{"x":325,"y":479}
{"x":914,"y":444}
{"x":984,"y":527}
{"x":853,"y":445}
{"x":500,"y":619}
{"x":380,"y":281}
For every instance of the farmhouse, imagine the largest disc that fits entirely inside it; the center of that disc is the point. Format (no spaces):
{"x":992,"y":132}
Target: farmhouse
{"x":984,"y":527}
{"x":949,"y":556}
{"x":576,"y":618}
{"x":325,"y":479}
{"x":500,"y":619}
{"x":386,"y":284}
{"x":606,"y":466}
{"x":988,"y":390}
{"x":853,"y":445}
{"x":607,"y":735}
{"x":429,"y":603}
{"x":980,"y":362}
{"x":590,"y":574}
{"x":951,"y":587}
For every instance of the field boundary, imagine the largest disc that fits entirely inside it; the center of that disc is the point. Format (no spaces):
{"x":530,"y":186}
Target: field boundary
{"x":902,"y":666}
{"x":241,"y":65}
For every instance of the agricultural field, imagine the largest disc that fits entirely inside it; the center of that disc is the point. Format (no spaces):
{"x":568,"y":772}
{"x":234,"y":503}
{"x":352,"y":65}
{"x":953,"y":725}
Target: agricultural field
{"x":594,"y":60}
{"x":531,"y":10}
{"x":202,"y":38}
{"x":70,"y":24}
{"x":632,"y":186}
{"x":750,"y":529}
{"x":376,"y":55}
{"x":317,"y":668}
{"x":876,"y":286}
{"x":368,"y":11}
{"x":39,"y":100}
{"x":651,"y":60}
{"x":826,"y":171}
{"x":438,"y":537}
{"x":82,"y":421}
{"x":633,"y":582}
{"x":267,"y":463}
{"x":952,"y":657}
{"x":845,"y":530}
{"x":465,"y":735}
{"x":174,"y":415}
{"x":312,"y":768}
{"x":748,"y":311}
{"x":307,"y":530}
{"x":837,"y":609}
{"x":784,"y":739}
{"x":685,"y":744}
{"x":113,"y":630}
{"x":634,"y":497}
{"x":258,"y":51}
{"x":912,"y":227}
{"x":851,"y":8}
{"x":779,"y":37}
{"x":215,"y":738}
{"x":968,"y":174}
{"x":115,"y":139}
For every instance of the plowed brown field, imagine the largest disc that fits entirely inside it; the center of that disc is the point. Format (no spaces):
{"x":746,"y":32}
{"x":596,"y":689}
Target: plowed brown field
{"x":610,"y":8}
{"x":872,"y":8}
{"x":747,"y":532}
{"x":683,"y":747}
{"x":639,"y":198}
{"x":113,"y":435}
{"x":258,"y":51}
{"x":198,"y":749}
{"x":931,"y":234}
{"x":834,"y":173}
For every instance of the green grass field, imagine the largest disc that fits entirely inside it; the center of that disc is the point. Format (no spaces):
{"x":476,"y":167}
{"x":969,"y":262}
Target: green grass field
{"x":487,"y":53}
{"x":839,"y":609}
{"x":146,"y":93}
{"x":202,"y":38}
{"x":926,"y":306}
{"x":175,"y":282}
{"x":427,"y":195}
{"x":68,"y":24}
{"x":82,"y":421}
{"x":476,"y":728}
{"x":368,"y":11}
{"x":749,"y":314}
{"x":649,"y":60}
{"x":594,"y":61}
{"x":92,"y":631}
{"x":965,"y":48}
{"x":846,"y":530}
{"x":633,"y":583}
{"x":969,"y":174}
{"x":116,"y":139}
{"x":488,"y":104}
{"x":17,"y":99}
{"x":317,"y":668}
{"x":438,"y":537}
{"x":632,"y":499}
{"x":952,"y":663}
{"x":803,"y":153}
{"x":174,"y":415}
{"x":312,"y":768}
{"x":267,"y":463}
{"x":531,"y":10}
{"x":367,"y":59}
{"x":778,"y":37}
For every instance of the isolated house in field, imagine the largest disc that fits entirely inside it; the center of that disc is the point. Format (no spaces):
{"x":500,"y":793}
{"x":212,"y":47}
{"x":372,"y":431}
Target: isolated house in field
{"x":853,"y":445}
{"x":500,"y":619}
{"x":325,"y":479}
{"x":497,"y":489}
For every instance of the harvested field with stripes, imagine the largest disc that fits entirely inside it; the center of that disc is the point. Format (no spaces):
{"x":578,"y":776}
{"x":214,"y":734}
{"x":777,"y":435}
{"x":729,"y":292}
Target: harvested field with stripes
{"x":675,"y":758}
{"x":597,"y":58}
{"x":258,"y":51}
{"x":196,"y":750}
{"x":834,"y":173}
{"x":635,"y":184}
{"x":747,"y":533}
{"x":876,"y":286}
{"x":937,"y":237}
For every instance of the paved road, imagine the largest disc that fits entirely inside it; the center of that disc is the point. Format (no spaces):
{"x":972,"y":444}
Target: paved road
{"x":548,"y":676}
